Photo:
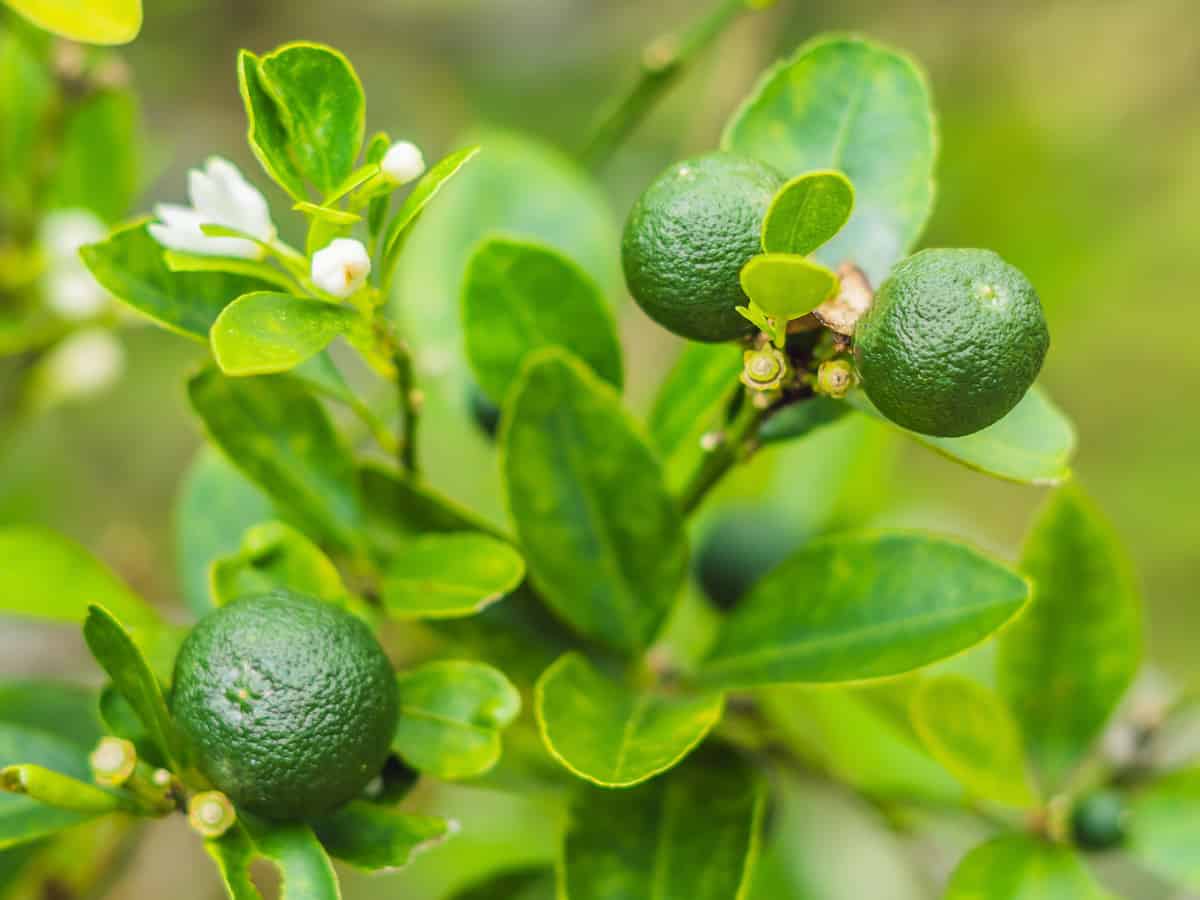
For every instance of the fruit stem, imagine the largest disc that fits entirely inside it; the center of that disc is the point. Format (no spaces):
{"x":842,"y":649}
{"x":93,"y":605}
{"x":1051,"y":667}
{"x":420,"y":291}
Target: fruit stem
{"x":663,"y":61}
{"x":732,"y":446}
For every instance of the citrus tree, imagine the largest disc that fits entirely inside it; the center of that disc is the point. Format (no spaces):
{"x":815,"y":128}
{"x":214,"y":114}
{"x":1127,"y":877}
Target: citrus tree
{"x":964,"y":697}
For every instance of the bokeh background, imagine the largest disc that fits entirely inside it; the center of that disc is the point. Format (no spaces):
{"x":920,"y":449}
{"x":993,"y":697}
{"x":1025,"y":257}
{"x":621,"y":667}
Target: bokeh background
{"x":1070,"y":140}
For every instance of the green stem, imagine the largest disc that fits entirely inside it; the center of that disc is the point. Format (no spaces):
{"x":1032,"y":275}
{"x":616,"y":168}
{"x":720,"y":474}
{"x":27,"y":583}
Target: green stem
{"x":410,"y":405}
{"x":663,"y":61}
{"x":735,"y":444}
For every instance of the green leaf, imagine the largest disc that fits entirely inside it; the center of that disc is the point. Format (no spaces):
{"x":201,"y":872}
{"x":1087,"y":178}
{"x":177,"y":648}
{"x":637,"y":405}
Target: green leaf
{"x":274,"y":555}
{"x":602,"y":537}
{"x":522,"y":884}
{"x":23,"y":819}
{"x":304,"y":870}
{"x":847,"y":104}
{"x":58,"y":790}
{"x":249,"y":268}
{"x":1064,"y":666}
{"x":307,"y":115}
{"x":1033,"y":444}
{"x":1164,"y":827}
{"x":234,"y":853}
{"x":786,"y":286}
{"x":1017,"y":867}
{"x":807,"y":212}
{"x":47,"y":576}
{"x":970,"y":731}
{"x":94,"y":22}
{"x":859,"y":607}
{"x":451,"y":716}
{"x":799,"y":420}
{"x":120,"y":657}
{"x":447,"y":576}
{"x":612,"y":735}
{"x":327,"y":214}
{"x":215,"y":506}
{"x":130,"y":265}
{"x":520,"y":296}
{"x":98,"y":167}
{"x":64,"y":710}
{"x":273,"y":430}
{"x":264,"y":333}
{"x":373,"y":837}
{"x":691,"y":835}
{"x":28,"y":98}
{"x":414,"y":204}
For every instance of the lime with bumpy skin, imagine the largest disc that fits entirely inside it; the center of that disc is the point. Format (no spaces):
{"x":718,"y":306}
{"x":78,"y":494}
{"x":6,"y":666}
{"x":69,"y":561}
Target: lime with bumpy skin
{"x":687,"y":239}
{"x":289,"y":704}
{"x":952,"y":341}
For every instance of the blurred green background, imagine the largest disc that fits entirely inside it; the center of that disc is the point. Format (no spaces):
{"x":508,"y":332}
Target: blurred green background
{"x":1070,"y":136}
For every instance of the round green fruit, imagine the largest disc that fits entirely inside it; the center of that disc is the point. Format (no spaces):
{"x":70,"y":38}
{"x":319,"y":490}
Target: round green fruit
{"x":687,"y":239}
{"x":952,"y":341}
{"x":289,"y":704}
{"x":1098,"y":821}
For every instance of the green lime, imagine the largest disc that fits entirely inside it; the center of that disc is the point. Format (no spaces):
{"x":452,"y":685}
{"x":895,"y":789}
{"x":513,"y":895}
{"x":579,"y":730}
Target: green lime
{"x":952,"y":341}
{"x":1098,"y":821}
{"x":688,"y":237}
{"x":289,"y":704}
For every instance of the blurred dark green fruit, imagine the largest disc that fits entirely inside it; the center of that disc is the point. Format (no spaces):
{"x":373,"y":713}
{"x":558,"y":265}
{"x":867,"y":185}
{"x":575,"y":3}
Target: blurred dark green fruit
{"x":289,"y":704}
{"x":739,"y":548}
{"x":688,"y":237}
{"x":952,"y":342}
{"x":1098,"y":821}
{"x":484,"y":412}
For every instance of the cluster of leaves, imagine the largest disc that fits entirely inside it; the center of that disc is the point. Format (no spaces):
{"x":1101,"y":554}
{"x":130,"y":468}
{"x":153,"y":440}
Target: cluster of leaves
{"x":664,"y":723}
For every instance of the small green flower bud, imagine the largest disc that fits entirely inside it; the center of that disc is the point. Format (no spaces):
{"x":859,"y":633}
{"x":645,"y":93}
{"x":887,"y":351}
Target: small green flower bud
{"x":835,"y":378}
{"x":113,"y":761}
{"x":765,"y":369}
{"x":211,"y":814}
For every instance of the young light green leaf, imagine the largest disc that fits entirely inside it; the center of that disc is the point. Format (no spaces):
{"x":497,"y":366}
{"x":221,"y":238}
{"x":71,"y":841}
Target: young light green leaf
{"x":130,"y":265}
{"x":48,"y":576}
{"x":330,"y":215}
{"x":690,"y":835}
{"x":372,"y":837}
{"x":234,"y":853}
{"x":120,"y":657}
{"x":274,"y":555}
{"x":612,"y":735}
{"x":1164,"y":827}
{"x":265,"y":333}
{"x":1064,"y":666}
{"x":98,"y":166}
{"x":267,"y":128}
{"x":847,"y":104}
{"x":273,"y":430}
{"x":853,"y":608}
{"x":414,"y":204}
{"x":23,"y":819}
{"x":518,"y":297}
{"x":807,"y":212}
{"x":96,"y":22}
{"x":58,"y":790}
{"x":786,"y":286}
{"x":451,"y":716}
{"x":1033,"y":444}
{"x":602,"y":537}
{"x":215,"y":506}
{"x":447,"y":576}
{"x":1019,"y":867}
{"x":970,"y":731}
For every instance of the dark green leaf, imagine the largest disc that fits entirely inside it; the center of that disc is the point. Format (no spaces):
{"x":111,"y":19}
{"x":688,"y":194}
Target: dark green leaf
{"x":372,"y":837}
{"x":601,"y":536}
{"x":690,"y":835}
{"x":807,"y":212}
{"x":447,"y":576}
{"x":233,"y":853}
{"x":1164,"y":827}
{"x":848,"y":104}
{"x":520,"y":296}
{"x":304,"y":869}
{"x":1033,"y":444}
{"x":854,"y":608}
{"x":264,"y":333}
{"x":1017,"y":867}
{"x":130,"y":265}
{"x":47,"y":576}
{"x":801,"y":419}
{"x":451,"y":716}
{"x":1064,"y":666}
{"x":786,"y":286}
{"x":272,"y":429}
{"x":523,"y":884}
{"x":272,"y":556}
{"x":613,"y":735}
{"x":23,"y":819}
{"x":58,"y":708}
{"x":268,"y":131}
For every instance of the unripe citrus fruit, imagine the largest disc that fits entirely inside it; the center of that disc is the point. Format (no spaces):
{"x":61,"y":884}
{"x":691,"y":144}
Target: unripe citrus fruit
{"x":952,"y":341}
{"x":738,"y":549}
{"x":1098,"y":822}
{"x":688,"y":237}
{"x":289,"y":704}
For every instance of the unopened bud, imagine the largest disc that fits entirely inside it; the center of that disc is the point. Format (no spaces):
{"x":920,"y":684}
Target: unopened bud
{"x":835,"y":378}
{"x":113,"y":761}
{"x":341,"y":268}
{"x":211,"y":814}
{"x":765,"y":369}
{"x":403,"y":163}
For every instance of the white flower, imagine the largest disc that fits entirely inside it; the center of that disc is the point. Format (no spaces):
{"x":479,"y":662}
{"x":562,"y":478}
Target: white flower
{"x":341,"y":268}
{"x":84,"y":363}
{"x":403,"y":163}
{"x":220,"y":196}
{"x":69,"y":288}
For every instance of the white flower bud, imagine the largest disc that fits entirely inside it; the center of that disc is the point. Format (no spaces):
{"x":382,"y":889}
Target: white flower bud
{"x":341,"y":268}
{"x":220,"y":195}
{"x":403,"y":163}
{"x":83,"y":364}
{"x":69,"y":288}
